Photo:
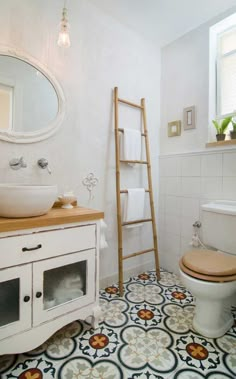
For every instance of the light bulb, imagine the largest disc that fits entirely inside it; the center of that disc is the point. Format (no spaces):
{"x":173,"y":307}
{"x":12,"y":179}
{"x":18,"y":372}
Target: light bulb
{"x":63,"y":39}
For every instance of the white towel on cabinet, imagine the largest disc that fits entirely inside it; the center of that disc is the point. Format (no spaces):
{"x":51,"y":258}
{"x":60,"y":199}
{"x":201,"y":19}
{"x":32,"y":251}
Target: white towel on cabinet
{"x":103,"y":241}
{"x":134,"y":206}
{"x":131,"y":142}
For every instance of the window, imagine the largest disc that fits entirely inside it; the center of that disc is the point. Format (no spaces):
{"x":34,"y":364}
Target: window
{"x":226,"y":73}
{"x":222,"y":70}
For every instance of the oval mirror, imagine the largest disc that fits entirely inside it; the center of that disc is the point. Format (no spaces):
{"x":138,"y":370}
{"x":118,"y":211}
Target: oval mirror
{"x":31,"y":100}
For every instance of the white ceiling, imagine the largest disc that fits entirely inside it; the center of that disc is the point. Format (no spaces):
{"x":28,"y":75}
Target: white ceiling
{"x":163,"y":20}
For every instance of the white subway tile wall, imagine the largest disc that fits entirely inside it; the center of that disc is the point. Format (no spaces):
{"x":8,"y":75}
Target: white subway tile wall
{"x":211,"y":165}
{"x":191,"y":166}
{"x":229,"y":166}
{"x":186,"y":182}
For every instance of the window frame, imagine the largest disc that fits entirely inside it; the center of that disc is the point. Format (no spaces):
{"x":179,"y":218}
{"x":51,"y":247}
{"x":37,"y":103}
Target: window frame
{"x":216,"y":31}
{"x":219,"y":58}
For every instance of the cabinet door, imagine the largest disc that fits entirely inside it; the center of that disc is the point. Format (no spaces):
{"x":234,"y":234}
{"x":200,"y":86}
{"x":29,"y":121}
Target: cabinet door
{"x":15,"y":300}
{"x":62,"y":285}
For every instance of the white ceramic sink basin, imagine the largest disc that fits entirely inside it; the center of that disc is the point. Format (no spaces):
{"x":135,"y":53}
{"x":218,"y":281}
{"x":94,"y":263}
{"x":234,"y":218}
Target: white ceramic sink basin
{"x":18,"y":200}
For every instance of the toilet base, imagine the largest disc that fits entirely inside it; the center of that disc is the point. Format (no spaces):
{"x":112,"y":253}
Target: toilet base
{"x":210,"y":320}
{"x":213,"y":316}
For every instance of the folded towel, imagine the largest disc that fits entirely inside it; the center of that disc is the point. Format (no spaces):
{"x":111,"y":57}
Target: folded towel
{"x":131,"y":142}
{"x":134,"y":206}
{"x":103,"y":242}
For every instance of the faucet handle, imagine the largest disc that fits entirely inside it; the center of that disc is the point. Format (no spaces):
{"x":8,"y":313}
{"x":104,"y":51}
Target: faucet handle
{"x":43,"y":163}
{"x":22,"y":162}
{"x":17,"y":163}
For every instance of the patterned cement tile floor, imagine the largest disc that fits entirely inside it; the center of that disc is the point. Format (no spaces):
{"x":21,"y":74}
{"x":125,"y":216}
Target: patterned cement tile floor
{"x":147,"y":334}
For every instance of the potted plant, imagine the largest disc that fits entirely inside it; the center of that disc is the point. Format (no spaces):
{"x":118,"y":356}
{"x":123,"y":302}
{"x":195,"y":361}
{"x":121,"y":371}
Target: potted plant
{"x":221,"y":127}
{"x":233,"y":132}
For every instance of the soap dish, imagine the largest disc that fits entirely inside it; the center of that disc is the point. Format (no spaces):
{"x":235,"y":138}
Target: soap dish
{"x":67,"y":200}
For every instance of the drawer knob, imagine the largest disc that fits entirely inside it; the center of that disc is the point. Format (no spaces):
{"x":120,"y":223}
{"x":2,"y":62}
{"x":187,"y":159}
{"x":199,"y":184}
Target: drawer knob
{"x":38,"y":294}
{"x":32,"y":248}
{"x":26,"y":299}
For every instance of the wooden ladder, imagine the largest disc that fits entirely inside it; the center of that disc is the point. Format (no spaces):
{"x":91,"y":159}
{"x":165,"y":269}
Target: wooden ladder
{"x":120,"y":191}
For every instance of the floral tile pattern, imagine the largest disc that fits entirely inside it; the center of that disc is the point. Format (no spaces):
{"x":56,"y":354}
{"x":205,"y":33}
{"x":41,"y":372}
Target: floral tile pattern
{"x":227,"y":344}
{"x":145,"y":314}
{"x":79,"y":367}
{"x":102,"y":343}
{"x":33,"y":369}
{"x":138,"y":293}
{"x":197,"y":352}
{"x":114,"y":312}
{"x":178,"y":295}
{"x":62,"y":344}
{"x":147,"y":348}
{"x":147,"y":334}
{"x":178,"y":318}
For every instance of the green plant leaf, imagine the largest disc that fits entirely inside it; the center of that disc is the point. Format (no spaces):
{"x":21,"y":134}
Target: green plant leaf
{"x":217,"y":126}
{"x":233,"y":120}
{"x":224,"y":124}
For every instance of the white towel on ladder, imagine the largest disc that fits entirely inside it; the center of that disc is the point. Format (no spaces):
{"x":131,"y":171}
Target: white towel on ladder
{"x":131,"y":145}
{"x":103,"y":241}
{"x":134,"y":206}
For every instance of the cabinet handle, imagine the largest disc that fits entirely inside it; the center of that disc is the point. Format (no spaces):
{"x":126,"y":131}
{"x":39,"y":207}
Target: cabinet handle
{"x":26,"y":299}
{"x":38,"y":294}
{"x":32,"y":248}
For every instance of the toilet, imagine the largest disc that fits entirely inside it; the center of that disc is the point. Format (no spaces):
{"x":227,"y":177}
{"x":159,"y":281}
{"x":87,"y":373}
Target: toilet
{"x":210,"y":275}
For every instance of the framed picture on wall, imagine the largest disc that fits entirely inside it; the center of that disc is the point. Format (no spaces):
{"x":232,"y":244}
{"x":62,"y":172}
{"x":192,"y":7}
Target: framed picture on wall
{"x":174,"y":128}
{"x":189,"y":121}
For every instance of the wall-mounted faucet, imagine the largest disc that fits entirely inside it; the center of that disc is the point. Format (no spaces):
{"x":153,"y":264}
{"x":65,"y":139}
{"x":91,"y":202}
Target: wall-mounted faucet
{"x":197,"y":224}
{"x":17,"y":163}
{"x":43,"y":163}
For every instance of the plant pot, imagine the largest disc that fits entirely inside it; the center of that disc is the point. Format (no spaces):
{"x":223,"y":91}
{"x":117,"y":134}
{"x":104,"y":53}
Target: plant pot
{"x":220,"y":137}
{"x":233,"y":134}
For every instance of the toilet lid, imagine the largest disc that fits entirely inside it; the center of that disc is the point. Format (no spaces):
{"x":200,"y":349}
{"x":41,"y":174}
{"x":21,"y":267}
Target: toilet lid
{"x":208,"y":278}
{"x":208,"y":262}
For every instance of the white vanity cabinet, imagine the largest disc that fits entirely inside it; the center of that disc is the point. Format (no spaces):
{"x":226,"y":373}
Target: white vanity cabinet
{"x":48,"y":278}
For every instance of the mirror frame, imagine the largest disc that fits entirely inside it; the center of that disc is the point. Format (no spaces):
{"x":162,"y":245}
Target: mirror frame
{"x":31,"y":137}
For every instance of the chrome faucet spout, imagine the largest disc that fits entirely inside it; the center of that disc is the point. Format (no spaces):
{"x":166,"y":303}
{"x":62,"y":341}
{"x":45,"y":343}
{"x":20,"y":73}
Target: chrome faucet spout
{"x":43,"y":163}
{"x":49,"y":170}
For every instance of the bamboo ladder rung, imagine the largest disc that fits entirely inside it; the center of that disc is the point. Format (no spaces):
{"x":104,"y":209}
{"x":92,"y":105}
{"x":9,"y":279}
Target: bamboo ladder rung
{"x":136,"y":221}
{"x":140,"y":162}
{"x":129,"y":103}
{"x":126,"y":191}
{"x":122,"y":131}
{"x":138,"y":253}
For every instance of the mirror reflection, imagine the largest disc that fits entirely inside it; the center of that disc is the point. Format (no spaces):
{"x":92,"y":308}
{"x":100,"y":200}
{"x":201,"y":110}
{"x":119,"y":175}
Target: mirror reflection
{"x":28,"y":100}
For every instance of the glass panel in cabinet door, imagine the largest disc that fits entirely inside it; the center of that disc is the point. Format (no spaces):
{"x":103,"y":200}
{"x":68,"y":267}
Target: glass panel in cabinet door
{"x":15,"y":301}
{"x":9,"y":301}
{"x":63,"y":284}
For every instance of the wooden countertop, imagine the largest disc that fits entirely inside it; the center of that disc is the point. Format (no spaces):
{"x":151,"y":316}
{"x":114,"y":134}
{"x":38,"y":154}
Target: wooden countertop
{"x":56,"y":216}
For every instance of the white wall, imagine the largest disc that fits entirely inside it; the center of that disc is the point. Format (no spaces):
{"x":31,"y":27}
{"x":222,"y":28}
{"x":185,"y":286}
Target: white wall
{"x":184,"y":82}
{"x":103,"y":54}
{"x":190,"y":174}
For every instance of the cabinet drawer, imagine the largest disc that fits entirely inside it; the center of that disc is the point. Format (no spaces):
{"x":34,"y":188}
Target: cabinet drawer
{"x":42,"y":245}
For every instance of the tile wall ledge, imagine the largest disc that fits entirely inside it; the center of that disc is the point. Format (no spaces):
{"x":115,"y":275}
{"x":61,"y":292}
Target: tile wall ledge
{"x":217,"y":144}
{"x":213,"y":150}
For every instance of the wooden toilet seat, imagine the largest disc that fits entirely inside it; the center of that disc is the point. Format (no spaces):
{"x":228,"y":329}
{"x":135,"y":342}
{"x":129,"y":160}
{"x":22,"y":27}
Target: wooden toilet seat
{"x":212,"y":266}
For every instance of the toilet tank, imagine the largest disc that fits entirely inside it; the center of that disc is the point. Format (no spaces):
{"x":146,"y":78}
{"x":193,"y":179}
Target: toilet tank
{"x":219,"y":225}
